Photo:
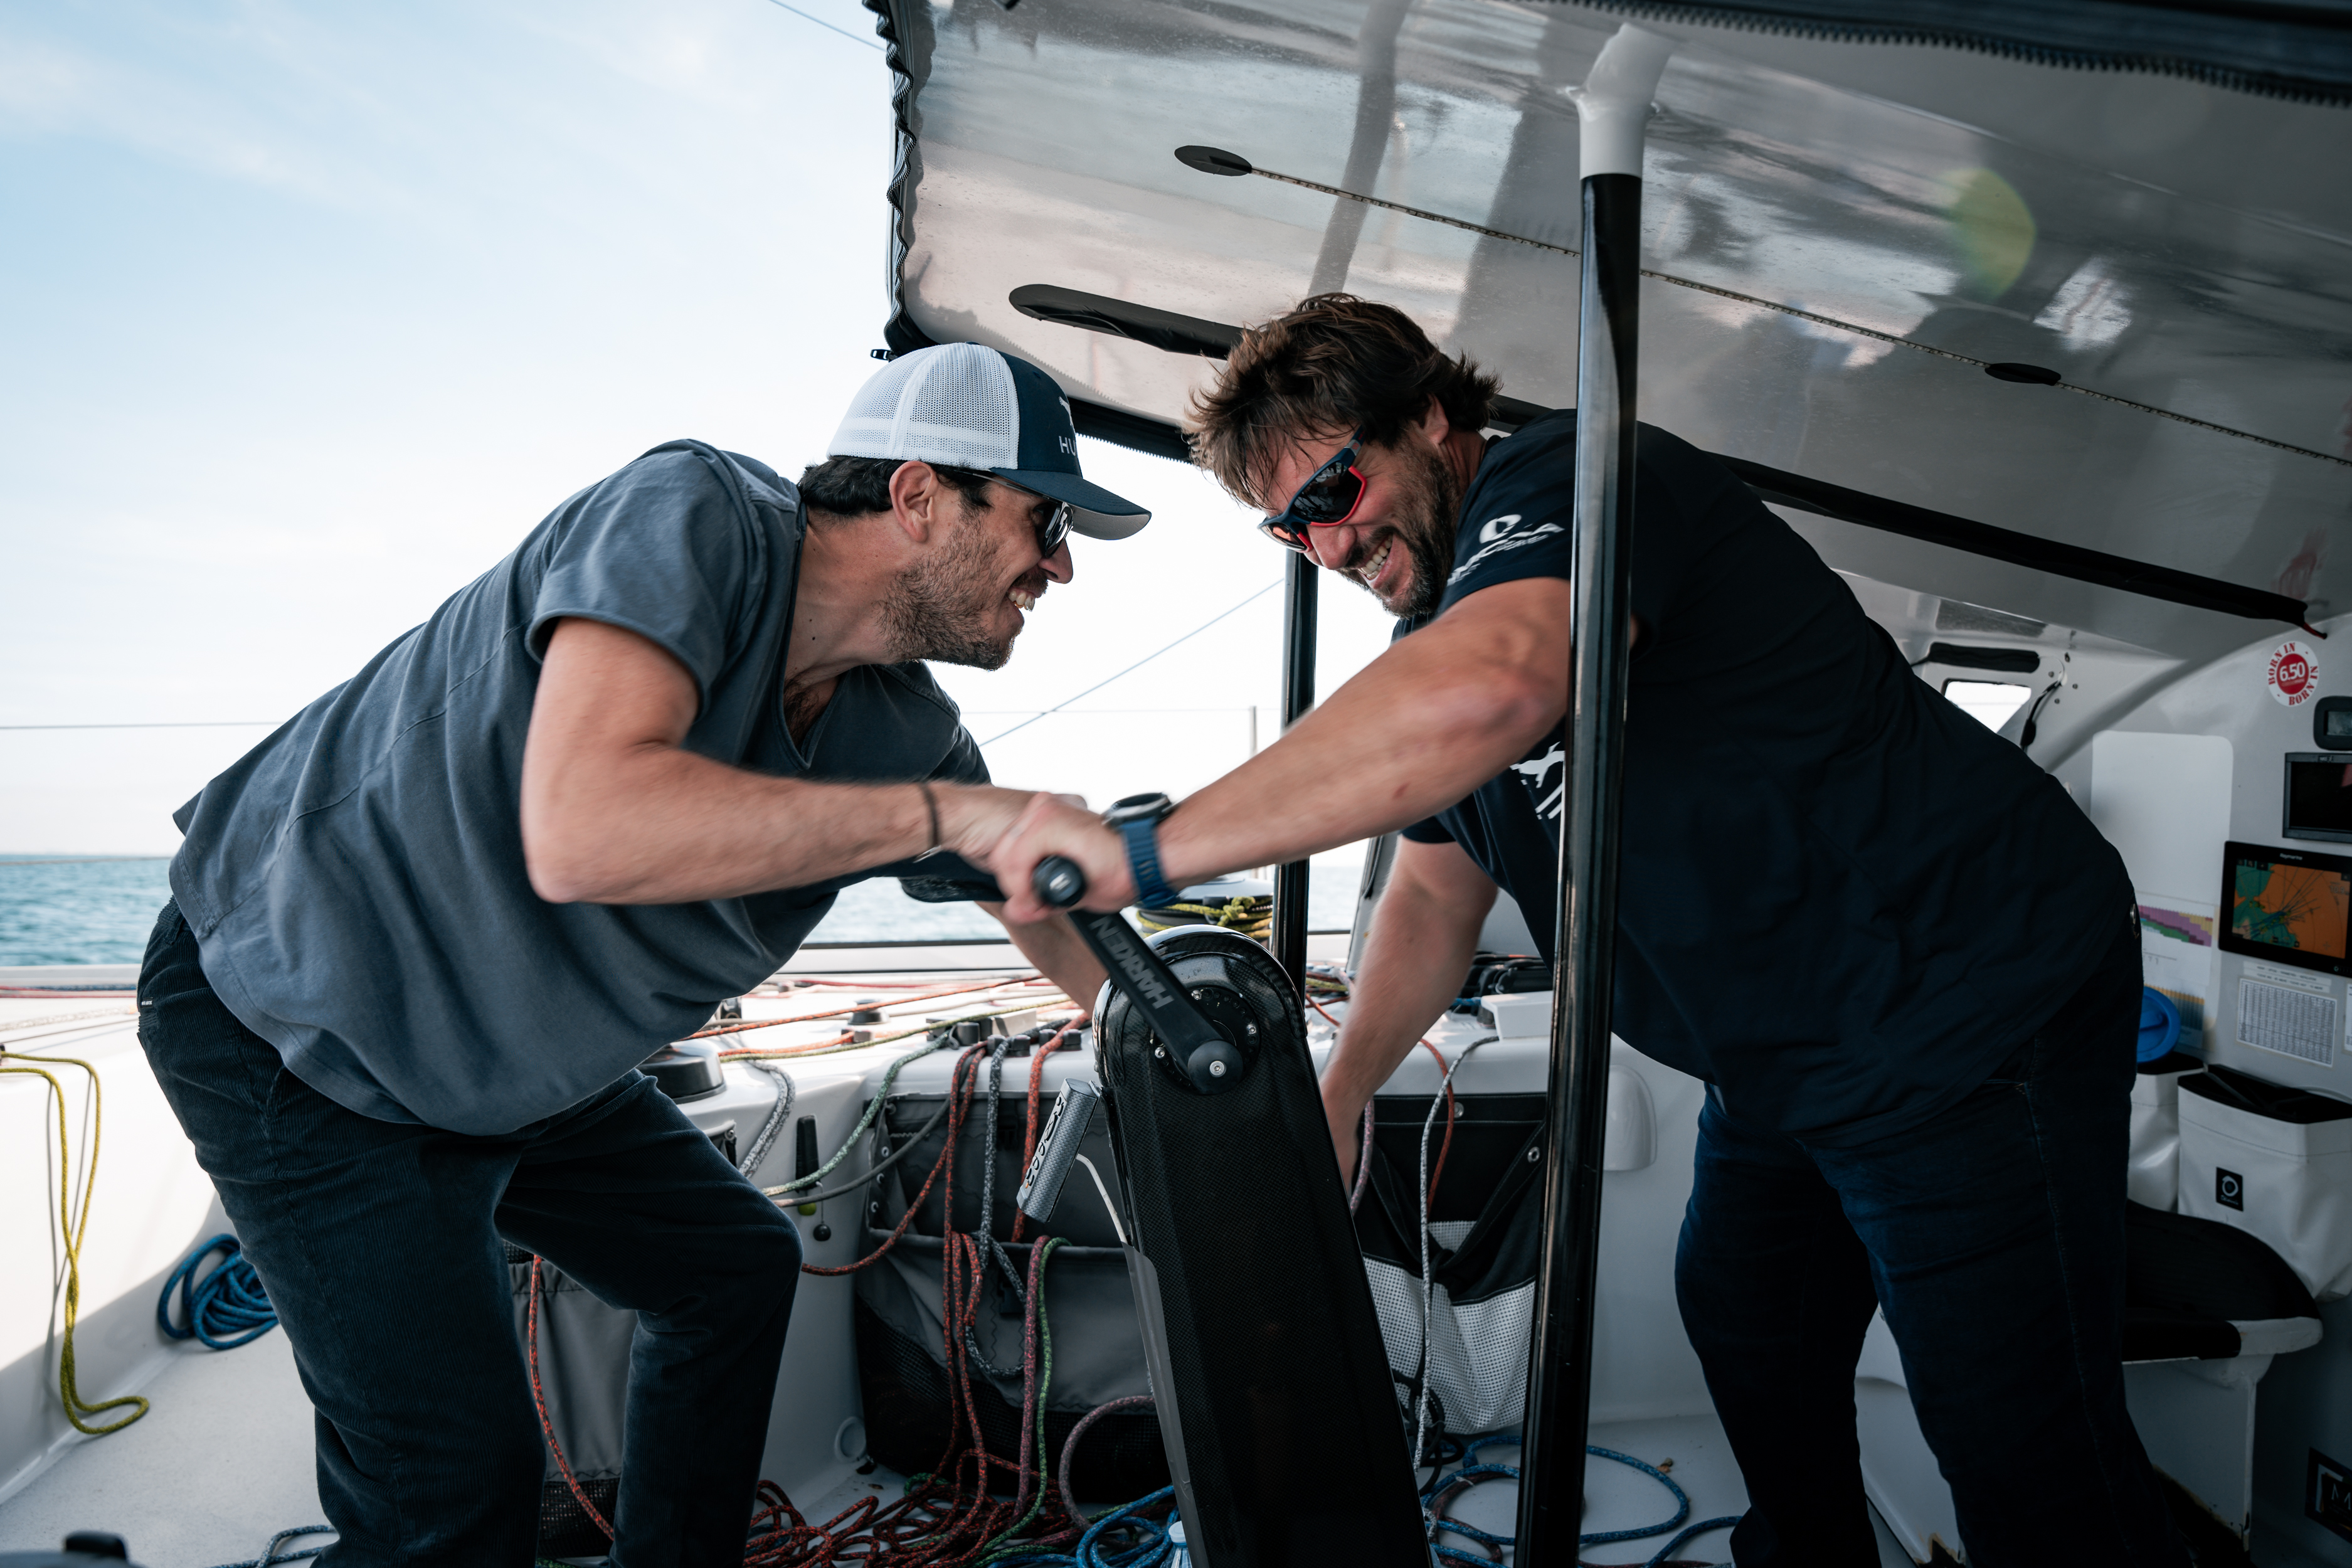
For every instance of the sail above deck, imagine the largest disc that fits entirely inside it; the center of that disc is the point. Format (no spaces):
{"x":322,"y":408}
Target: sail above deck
{"x":1840,"y":239}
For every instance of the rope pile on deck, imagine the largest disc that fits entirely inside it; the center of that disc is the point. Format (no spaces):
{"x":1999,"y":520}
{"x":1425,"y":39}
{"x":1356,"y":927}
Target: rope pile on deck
{"x":952,"y":1515}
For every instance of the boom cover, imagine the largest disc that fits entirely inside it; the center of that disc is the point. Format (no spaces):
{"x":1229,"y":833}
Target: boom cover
{"x":1273,"y":1389}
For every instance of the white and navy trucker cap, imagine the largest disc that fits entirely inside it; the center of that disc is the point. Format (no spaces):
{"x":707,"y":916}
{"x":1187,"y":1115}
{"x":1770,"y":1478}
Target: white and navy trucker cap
{"x":973,"y":407}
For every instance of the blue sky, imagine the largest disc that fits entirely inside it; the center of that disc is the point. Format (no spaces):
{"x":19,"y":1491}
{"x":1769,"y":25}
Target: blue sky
{"x":309,"y":313}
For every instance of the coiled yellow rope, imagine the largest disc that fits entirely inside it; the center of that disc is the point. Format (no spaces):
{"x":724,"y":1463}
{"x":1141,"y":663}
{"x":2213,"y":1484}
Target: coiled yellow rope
{"x":1252,"y":917}
{"x":72,"y":1228}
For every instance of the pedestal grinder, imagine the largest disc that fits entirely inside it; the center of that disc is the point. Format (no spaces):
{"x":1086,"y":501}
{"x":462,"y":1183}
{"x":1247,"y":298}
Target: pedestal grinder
{"x":1272,"y":1387}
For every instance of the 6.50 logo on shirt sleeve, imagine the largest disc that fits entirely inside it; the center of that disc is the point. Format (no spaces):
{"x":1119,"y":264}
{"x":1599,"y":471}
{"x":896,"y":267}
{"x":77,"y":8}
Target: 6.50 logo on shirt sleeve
{"x":1499,"y":534}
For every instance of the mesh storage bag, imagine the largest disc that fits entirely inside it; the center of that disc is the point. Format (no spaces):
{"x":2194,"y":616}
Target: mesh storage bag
{"x":1485,"y":1241}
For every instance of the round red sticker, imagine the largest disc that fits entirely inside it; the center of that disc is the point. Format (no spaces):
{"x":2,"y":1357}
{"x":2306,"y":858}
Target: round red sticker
{"x":2294,"y":676}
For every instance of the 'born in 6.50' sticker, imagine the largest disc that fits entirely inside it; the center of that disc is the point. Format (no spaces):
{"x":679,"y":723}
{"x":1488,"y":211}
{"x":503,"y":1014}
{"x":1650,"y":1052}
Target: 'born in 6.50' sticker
{"x":2294,"y":676}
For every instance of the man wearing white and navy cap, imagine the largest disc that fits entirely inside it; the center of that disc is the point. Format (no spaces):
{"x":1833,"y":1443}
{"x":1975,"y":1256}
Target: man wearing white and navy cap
{"x":421,"y":937}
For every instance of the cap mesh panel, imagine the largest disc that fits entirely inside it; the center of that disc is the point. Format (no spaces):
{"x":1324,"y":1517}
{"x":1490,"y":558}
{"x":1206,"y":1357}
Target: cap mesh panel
{"x":953,"y":404}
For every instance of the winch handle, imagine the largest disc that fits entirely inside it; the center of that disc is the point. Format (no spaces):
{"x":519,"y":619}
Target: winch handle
{"x":1209,"y":1059}
{"x":1057,"y":1150}
{"x":1058,"y":882}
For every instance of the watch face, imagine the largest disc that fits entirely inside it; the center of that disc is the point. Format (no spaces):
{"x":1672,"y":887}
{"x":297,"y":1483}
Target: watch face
{"x":1139,"y":808}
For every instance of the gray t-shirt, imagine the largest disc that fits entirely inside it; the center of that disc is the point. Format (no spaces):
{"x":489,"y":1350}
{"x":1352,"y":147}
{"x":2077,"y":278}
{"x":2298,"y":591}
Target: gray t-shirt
{"x":356,"y":881}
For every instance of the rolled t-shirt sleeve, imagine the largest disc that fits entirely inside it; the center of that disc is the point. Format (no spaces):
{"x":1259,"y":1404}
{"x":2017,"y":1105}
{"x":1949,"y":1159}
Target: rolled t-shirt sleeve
{"x":661,"y":549}
{"x":1428,"y":830}
{"x":962,"y":764}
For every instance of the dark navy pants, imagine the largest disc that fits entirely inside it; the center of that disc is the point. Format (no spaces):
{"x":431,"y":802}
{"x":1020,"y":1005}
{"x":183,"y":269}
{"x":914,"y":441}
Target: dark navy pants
{"x":379,"y":1244}
{"x":1993,"y":1239}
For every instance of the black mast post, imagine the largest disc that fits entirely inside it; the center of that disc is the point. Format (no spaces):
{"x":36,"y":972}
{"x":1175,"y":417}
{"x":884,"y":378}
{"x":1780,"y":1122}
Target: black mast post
{"x":1297,"y":696}
{"x":1612,"y":106}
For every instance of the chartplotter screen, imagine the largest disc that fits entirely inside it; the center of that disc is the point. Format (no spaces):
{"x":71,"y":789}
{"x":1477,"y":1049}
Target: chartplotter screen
{"x":2288,"y":906}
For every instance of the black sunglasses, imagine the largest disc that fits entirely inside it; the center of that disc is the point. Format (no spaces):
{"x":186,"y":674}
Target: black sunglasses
{"x":1329,"y":497}
{"x":1054,"y":526}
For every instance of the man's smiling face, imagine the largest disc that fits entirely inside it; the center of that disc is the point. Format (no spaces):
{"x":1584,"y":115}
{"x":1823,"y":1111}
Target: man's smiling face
{"x":965,"y":599}
{"x":1397,"y":545}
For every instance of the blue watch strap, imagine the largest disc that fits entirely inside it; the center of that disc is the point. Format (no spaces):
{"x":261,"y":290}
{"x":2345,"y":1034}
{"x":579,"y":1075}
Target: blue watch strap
{"x":1142,"y":835}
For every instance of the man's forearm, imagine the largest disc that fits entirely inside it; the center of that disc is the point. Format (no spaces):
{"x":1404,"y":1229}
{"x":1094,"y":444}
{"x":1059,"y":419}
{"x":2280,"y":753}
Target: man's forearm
{"x":1060,"y":954}
{"x":1414,"y":958}
{"x":1440,"y":713}
{"x":615,"y":810}
{"x":1431,"y":720}
{"x":676,"y":827}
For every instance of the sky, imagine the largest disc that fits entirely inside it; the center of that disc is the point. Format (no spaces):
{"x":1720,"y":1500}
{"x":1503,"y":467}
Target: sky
{"x":308,"y":314}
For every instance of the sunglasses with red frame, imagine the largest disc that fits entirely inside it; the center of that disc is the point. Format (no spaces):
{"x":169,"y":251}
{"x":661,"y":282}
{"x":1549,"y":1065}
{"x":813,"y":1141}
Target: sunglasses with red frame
{"x":1329,"y":497}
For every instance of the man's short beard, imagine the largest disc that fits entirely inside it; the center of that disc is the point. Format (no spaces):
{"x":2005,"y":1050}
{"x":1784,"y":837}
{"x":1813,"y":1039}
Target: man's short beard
{"x":942,"y":608}
{"x":1424,"y":521}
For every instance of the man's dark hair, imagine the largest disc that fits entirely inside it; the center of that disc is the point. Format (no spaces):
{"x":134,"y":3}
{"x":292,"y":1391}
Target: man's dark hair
{"x":853,"y":487}
{"x":1325,"y":367}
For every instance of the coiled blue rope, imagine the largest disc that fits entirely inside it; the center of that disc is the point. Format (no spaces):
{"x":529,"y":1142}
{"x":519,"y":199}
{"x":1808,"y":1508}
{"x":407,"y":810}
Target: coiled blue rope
{"x":1473,"y":1472}
{"x":229,"y":1302}
{"x":1149,"y":1546}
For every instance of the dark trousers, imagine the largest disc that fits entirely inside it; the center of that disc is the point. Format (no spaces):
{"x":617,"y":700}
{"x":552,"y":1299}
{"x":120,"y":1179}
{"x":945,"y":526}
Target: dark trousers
{"x":1993,"y":1239}
{"x":379,"y":1244}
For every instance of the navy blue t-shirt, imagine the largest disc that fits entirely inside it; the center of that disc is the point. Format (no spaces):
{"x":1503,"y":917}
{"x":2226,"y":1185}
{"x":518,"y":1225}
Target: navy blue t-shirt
{"x":356,"y":882}
{"x":1843,"y":900}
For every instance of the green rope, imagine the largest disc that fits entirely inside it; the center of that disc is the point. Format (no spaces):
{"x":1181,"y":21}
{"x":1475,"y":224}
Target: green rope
{"x":1044,"y":1380}
{"x":873,"y":1109}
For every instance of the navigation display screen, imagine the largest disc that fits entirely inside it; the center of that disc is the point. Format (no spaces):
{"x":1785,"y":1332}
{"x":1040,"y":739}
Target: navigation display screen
{"x":2319,"y":797}
{"x":2288,"y":906}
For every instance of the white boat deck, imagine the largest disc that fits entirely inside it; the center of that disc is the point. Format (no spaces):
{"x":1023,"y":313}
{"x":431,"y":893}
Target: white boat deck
{"x":223,"y":1462}
{"x":219,"y":1464}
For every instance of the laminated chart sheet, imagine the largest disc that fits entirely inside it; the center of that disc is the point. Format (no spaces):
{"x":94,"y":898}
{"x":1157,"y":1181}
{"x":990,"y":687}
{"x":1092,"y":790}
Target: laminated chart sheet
{"x":2288,"y":1011}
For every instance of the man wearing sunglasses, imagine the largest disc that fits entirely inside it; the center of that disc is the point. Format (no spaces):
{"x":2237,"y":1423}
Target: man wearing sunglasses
{"x":421,"y":937}
{"x":1893,"y":947}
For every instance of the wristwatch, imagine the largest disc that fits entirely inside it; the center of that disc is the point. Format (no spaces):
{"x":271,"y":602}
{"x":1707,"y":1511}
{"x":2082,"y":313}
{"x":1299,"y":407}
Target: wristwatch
{"x":1136,"y":819}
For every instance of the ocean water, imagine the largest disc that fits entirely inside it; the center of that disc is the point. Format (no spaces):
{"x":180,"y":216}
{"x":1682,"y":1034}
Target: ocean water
{"x":66,"y":910}
{"x":77,"y":910}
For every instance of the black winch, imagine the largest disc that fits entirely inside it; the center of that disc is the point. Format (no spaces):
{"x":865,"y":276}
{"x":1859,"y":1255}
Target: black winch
{"x":1274,"y":1392}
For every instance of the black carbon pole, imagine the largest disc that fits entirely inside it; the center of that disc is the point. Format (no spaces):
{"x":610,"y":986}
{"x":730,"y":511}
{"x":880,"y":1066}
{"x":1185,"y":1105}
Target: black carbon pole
{"x":1559,"y":1372}
{"x":1297,"y":696}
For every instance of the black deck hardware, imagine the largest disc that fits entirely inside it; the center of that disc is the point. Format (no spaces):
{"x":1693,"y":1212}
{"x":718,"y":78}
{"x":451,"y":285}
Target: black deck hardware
{"x":1162,"y":329}
{"x":2008,"y":660}
{"x":2025,"y":375}
{"x":1215,"y":161}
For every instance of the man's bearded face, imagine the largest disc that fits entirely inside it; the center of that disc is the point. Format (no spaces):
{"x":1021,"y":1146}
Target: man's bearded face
{"x":963,"y":602}
{"x":1418,"y":514}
